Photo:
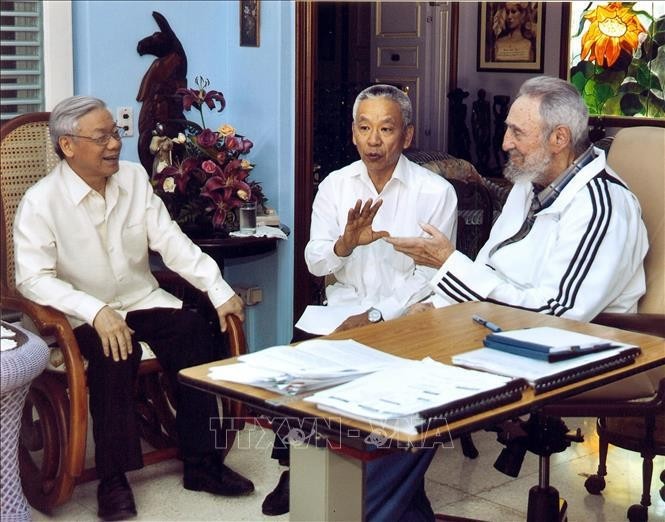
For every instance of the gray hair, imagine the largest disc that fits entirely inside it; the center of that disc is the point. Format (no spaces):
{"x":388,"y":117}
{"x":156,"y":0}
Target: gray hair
{"x":386,"y":91}
{"x":560,"y":104}
{"x":65,"y":117}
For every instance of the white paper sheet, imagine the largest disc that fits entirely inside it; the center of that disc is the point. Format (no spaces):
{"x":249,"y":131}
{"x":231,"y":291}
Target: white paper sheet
{"x":321,"y":358}
{"x":310,"y":365}
{"x":322,"y":320}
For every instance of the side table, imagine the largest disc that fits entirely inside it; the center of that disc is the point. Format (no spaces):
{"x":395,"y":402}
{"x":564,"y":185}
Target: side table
{"x":19,"y":366}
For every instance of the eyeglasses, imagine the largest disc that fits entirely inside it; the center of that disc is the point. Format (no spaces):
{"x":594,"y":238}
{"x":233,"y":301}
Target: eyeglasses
{"x":117,"y":134}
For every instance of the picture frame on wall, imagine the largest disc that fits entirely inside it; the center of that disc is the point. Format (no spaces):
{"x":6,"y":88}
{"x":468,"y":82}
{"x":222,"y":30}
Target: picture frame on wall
{"x":609,"y":52}
{"x":250,"y":28}
{"x":511,"y":36}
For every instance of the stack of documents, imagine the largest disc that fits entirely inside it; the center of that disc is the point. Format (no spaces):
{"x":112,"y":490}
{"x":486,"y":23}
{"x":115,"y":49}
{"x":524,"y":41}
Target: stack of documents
{"x":415,"y":396}
{"x":307,"y":366}
{"x":574,"y":356}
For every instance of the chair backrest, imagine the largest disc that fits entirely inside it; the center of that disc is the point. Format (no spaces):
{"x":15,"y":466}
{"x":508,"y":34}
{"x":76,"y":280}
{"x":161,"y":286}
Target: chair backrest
{"x":637,"y":154}
{"x":26,"y":156}
{"x":474,"y":201}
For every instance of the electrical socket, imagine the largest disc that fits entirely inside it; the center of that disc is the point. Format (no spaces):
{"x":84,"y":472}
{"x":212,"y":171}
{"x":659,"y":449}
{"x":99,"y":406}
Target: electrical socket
{"x":125,"y":119}
{"x":250,"y":295}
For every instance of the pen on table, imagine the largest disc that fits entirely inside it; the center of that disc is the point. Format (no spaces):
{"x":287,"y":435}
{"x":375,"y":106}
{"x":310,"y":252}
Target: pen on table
{"x":486,"y":323}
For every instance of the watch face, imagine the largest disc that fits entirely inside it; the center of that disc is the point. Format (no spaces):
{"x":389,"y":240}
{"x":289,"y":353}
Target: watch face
{"x":374,"y":315}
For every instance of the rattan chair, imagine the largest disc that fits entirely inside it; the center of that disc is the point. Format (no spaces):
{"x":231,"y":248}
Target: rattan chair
{"x":54,"y":423}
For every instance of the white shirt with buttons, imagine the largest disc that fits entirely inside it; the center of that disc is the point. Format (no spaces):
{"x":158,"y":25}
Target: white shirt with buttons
{"x":78,"y":251}
{"x":376,"y":275}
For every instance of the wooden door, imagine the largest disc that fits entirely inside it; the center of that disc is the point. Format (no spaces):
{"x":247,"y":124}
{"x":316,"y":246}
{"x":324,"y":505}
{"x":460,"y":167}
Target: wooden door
{"x":410,"y":49}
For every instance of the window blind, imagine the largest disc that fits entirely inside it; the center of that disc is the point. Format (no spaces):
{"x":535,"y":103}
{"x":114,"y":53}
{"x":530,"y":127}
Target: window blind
{"x":21,"y":57}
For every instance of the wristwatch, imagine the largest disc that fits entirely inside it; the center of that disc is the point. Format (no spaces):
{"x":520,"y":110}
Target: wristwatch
{"x":374,"y":315}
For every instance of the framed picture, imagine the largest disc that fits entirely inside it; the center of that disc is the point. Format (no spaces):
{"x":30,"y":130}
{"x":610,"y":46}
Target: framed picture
{"x":511,"y":36}
{"x":610,"y":52}
{"x":249,"y":23}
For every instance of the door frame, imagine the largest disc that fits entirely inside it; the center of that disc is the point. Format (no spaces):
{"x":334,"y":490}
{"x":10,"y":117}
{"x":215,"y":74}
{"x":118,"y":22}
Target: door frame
{"x":303,"y":281}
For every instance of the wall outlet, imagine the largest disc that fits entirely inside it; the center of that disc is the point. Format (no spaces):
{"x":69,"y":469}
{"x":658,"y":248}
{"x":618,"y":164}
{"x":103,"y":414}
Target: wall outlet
{"x":125,"y":119}
{"x":250,"y":295}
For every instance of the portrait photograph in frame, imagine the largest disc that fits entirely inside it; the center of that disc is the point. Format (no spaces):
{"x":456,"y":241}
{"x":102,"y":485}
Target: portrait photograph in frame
{"x":511,"y":36}
{"x":610,"y":52}
{"x":249,"y":23}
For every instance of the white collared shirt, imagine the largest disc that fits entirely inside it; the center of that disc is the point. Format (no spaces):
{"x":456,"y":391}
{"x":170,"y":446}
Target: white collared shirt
{"x":376,"y":275}
{"x":78,"y":251}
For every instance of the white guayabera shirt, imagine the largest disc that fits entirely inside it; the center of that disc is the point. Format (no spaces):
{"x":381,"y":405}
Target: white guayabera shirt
{"x":78,"y":251}
{"x":376,"y":275}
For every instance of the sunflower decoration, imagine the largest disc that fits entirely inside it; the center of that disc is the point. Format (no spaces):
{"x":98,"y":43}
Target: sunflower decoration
{"x":613,"y":27}
{"x":620,"y":71}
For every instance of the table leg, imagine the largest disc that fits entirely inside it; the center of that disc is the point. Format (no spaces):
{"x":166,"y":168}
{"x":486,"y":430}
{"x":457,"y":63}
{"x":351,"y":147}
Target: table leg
{"x":325,"y":485}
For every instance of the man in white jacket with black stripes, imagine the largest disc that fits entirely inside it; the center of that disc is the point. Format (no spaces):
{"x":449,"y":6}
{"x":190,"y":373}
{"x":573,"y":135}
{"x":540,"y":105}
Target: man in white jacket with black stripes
{"x":570,"y":240}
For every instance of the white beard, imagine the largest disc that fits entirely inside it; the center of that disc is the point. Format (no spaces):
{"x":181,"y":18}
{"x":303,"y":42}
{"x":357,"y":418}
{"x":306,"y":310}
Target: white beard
{"x":532,"y":170}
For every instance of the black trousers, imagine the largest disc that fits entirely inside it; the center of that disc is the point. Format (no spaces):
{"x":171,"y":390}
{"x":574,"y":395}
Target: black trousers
{"x":180,"y":339}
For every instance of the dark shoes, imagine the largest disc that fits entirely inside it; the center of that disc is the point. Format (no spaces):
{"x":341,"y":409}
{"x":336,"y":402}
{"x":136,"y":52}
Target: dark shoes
{"x":115,"y":500}
{"x":211,"y":475}
{"x":277,"y":501}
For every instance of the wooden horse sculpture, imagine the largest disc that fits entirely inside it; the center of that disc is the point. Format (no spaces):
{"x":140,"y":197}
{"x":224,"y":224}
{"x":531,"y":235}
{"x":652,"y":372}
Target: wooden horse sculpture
{"x":157,"y":92}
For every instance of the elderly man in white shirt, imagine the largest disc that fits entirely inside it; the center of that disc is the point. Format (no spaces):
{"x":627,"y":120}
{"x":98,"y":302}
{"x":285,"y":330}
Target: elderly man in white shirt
{"x":82,"y":236}
{"x":382,"y":194}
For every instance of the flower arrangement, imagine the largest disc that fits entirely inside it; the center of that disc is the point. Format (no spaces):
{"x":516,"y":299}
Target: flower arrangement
{"x":208,"y":179}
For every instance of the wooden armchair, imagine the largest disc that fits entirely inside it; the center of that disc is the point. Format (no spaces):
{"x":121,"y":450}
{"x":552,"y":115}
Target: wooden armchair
{"x":55,"y":417}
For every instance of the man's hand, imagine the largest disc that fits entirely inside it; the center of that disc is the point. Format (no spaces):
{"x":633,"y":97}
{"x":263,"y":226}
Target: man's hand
{"x":358,"y":229}
{"x":427,"y":251}
{"x":416,"y":308}
{"x":232,"y":306}
{"x":354,"y":321}
{"x":116,"y":336}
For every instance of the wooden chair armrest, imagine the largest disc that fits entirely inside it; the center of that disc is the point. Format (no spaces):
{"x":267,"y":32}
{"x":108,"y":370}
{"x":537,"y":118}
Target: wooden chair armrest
{"x":650,"y":324}
{"x":51,"y":322}
{"x":237,"y":344}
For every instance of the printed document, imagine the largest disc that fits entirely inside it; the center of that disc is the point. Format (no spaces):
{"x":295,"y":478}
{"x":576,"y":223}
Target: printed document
{"x":407,"y":389}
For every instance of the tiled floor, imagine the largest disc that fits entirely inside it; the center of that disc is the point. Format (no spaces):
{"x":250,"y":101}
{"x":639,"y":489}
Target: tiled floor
{"x":456,"y":485}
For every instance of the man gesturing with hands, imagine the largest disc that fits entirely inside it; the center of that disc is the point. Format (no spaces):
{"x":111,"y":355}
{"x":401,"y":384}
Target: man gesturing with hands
{"x":383,"y":194}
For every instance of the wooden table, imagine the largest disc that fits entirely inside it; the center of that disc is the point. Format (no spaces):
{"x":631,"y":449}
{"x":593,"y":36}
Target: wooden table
{"x":327,"y":473}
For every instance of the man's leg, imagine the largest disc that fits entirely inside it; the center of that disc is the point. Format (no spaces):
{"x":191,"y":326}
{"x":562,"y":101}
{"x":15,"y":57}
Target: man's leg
{"x":181,"y":339}
{"x":395,"y":487}
{"x":117,"y":445}
{"x":277,"y":501}
{"x":111,"y":389}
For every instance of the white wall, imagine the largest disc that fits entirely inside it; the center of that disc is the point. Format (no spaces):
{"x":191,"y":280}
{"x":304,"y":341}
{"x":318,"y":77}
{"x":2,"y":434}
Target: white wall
{"x":259,"y":87}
